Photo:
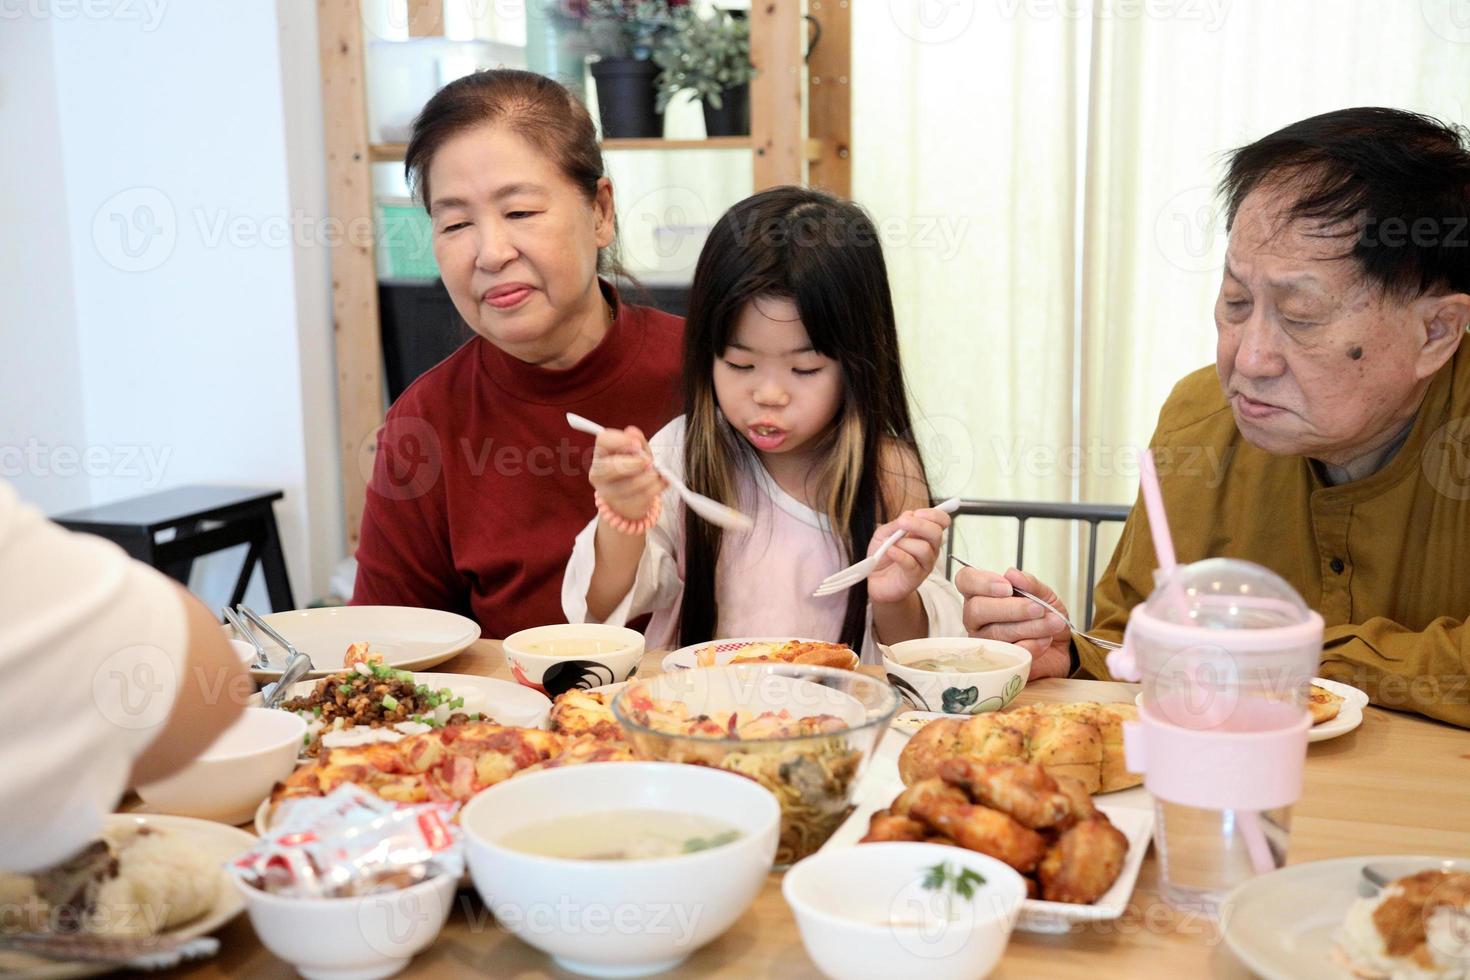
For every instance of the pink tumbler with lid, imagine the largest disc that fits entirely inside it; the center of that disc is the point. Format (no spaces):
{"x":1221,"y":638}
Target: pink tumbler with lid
{"x":1226,"y":651}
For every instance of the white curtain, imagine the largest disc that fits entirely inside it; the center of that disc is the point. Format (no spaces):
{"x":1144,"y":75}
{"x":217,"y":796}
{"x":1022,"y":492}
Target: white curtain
{"x":1168,"y":97}
{"x":1077,"y":144}
{"x":965,"y":149}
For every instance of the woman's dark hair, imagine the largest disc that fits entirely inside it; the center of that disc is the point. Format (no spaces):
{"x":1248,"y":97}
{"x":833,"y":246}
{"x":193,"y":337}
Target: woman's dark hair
{"x":538,"y":109}
{"x":1399,"y":180}
{"x":822,"y":254}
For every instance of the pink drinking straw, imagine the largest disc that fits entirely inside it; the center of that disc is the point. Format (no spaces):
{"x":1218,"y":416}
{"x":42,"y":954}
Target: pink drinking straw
{"x":1249,"y":821}
{"x":1158,"y":526}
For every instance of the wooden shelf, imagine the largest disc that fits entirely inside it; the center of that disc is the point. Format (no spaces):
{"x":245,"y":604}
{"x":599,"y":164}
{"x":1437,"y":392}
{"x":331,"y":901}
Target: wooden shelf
{"x":782,"y":109}
{"x":393,"y":152}
{"x":715,"y":143}
{"x":387,"y":152}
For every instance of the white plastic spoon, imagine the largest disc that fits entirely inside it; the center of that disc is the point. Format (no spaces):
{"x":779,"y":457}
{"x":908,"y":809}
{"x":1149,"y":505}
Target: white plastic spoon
{"x":711,"y":510}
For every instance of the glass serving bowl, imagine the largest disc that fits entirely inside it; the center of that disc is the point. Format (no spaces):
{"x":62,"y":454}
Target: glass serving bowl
{"x":805,"y":733}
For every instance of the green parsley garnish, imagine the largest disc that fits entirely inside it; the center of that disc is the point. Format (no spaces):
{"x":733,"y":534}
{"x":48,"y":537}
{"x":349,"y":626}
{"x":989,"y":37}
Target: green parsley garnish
{"x":943,"y":878}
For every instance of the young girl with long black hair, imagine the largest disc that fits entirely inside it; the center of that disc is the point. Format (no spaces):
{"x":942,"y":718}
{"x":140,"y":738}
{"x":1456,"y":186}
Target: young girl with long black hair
{"x":796,"y":414}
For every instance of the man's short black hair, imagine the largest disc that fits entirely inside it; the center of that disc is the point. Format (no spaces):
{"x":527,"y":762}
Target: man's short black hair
{"x":1400,"y":178}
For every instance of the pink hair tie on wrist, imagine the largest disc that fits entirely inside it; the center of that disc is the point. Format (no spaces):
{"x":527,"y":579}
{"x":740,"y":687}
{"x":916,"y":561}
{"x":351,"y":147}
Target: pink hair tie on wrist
{"x":621,"y":524}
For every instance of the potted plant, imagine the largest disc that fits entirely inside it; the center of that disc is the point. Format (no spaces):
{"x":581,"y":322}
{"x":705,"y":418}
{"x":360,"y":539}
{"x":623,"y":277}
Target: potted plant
{"x":556,"y":44}
{"x":709,"y":56}
{"x":623,"y":34}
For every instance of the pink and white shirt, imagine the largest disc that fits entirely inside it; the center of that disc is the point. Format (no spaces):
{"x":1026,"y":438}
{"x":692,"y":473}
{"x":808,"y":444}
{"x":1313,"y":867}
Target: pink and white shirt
{"x":765,"y":579}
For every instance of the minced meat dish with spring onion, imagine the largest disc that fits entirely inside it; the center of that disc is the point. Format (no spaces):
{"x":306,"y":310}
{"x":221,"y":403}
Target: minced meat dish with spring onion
{"x":376,"y":696}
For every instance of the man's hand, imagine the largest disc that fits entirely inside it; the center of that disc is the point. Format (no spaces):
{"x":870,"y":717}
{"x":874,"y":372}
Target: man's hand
{"x":994,"y":612}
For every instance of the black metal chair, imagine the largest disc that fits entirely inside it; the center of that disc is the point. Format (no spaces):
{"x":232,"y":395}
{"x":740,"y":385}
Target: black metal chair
{"x":1025,"y":510}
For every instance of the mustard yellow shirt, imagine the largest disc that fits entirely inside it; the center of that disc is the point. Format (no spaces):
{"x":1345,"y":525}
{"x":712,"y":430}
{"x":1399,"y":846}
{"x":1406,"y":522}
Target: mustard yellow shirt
{"x":1384,"y":559}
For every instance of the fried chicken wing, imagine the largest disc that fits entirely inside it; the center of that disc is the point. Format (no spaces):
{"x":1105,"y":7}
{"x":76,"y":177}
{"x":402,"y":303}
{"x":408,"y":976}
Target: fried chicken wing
{"x":1022,"y":790}
{"x":1079,"y":800}
{"x":884,"y":826}
{"x":982,"y":829}
{"x":1083,"y":863}
{"x":927,"y":789}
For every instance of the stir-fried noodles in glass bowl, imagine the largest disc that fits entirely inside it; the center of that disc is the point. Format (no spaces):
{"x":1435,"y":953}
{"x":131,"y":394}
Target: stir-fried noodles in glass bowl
{"x":805,"y":733}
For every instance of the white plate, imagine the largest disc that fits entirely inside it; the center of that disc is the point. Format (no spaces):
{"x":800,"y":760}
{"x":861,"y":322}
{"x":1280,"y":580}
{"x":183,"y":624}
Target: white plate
{"x":1131,"y":811}
{"x":406,"y":637}
{"x":725,"y":650}
{"x":908,"y":723}
{"x":505,"y":702}
{"x":220,"y":842}
{"x":1281,"y":924}
{"x":262,"y":812}
{"x":1349,"y":714}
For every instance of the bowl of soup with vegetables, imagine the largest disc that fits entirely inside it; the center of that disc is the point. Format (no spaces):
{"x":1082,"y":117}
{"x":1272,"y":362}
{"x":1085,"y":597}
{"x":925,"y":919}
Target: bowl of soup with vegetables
{"x":620,"y":870}
{"x":957,"y":675}
{"x":555,"y":659}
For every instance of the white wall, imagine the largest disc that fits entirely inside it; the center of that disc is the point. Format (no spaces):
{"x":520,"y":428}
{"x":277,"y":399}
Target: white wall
{"x":192,"y":196}
{"x":312,"y":273}
{"x":42,"y":422}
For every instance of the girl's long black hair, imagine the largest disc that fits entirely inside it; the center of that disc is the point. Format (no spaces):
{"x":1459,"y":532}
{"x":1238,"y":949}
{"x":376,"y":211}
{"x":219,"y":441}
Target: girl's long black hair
{"x":823,"y":254}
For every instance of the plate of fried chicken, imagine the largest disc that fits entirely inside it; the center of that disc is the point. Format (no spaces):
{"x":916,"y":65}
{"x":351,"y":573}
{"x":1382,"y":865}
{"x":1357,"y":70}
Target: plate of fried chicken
{"x":1080,"y":860}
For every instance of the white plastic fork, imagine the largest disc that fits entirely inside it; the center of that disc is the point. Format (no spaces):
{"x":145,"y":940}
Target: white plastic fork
{"x":706,"y":507}
{"x":846,"y":578}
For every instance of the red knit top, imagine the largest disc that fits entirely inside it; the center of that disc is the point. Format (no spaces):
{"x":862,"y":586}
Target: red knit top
{"x":479,"y":486}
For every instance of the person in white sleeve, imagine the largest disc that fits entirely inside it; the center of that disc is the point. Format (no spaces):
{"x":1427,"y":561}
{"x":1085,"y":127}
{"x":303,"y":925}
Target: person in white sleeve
{"x":113,"y":675}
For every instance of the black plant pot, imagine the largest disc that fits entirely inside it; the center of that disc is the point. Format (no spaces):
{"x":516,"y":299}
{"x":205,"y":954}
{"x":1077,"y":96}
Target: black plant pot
{"x":627,"y":99}
{"x":732,"y":118}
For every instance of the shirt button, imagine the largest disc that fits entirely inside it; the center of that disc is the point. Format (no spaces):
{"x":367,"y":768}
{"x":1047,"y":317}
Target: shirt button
{"x":1337,"y":566}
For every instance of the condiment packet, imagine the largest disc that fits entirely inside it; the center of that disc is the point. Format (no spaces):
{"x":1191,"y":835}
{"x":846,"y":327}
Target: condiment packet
{"x":352,"y":842}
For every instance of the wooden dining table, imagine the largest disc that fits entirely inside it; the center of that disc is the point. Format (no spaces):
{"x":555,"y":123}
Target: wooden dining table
{"x":1399,"y":784}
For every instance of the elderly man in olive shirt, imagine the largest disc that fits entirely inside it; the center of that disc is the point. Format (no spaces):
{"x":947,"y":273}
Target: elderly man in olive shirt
{"x":1340,"y":399}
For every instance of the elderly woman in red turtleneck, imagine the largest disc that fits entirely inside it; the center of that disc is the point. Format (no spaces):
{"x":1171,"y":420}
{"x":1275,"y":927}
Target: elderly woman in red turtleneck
{"x":479,"y":486}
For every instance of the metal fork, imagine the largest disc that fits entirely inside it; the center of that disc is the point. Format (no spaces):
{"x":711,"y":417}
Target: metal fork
{"x":298,"y":664}
{"x":244,"y":632}
{"x":846,"y":578}
{"x":1105,"y":644}
{"x":274,"y":693}
{"x":254,"y":618}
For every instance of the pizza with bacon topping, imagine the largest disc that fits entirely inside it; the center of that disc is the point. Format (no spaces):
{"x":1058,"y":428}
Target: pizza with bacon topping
{"x":450,"y":764}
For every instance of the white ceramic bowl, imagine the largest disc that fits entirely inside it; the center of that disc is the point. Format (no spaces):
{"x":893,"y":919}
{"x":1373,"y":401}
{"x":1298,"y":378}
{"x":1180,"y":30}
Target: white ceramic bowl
{"x":555,"y":659}
{"x":230,"y":778}
{"x":350,"y":938}
{"x":958,"y":692}
{"x":620,"y":918}
{"x":815,"y":775}
{"x":863,"y":912}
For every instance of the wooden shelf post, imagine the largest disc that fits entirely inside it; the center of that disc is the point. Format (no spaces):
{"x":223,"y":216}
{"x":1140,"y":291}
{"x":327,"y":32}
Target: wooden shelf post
{"x":775,"y":93}
{"x":358,"y":342}
{"x":829,"y":98}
